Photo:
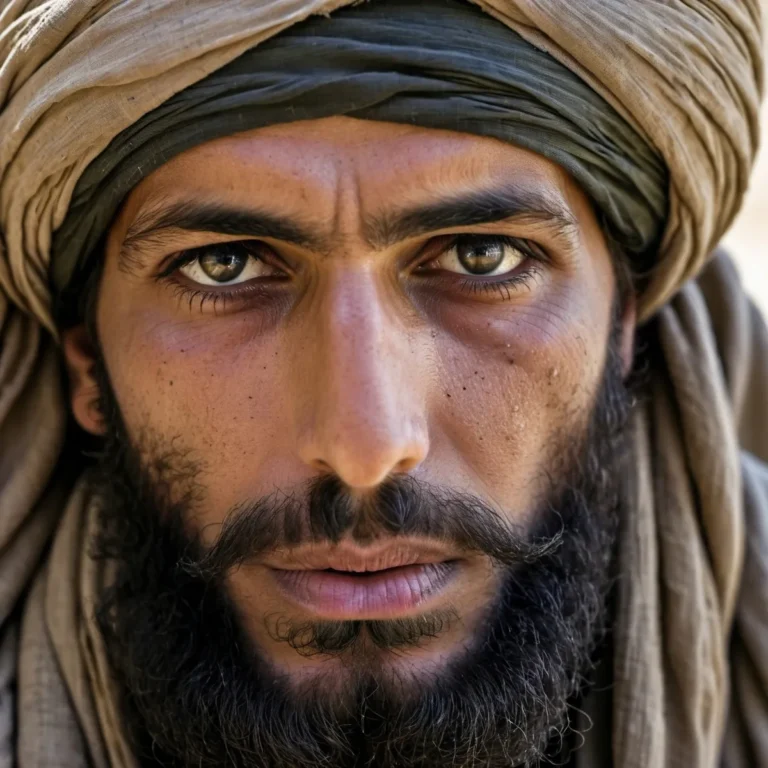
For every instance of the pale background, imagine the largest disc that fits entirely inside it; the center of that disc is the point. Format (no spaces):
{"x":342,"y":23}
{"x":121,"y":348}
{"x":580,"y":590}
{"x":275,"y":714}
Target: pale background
{"x":748,"y":238}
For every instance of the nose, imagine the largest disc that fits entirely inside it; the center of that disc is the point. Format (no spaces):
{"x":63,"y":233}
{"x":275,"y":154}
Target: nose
{"x":364,"y":416}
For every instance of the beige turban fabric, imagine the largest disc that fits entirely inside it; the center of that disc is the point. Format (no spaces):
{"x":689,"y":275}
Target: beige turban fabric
{"x":690,"y":668}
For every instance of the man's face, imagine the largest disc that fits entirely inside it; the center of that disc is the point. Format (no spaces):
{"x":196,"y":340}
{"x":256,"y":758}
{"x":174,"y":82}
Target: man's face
{"x":311,"y":314}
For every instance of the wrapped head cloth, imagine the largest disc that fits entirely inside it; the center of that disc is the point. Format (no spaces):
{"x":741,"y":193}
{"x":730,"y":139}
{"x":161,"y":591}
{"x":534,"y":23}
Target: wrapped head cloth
{"x":652,"y":108}
{"x":440,"y":63}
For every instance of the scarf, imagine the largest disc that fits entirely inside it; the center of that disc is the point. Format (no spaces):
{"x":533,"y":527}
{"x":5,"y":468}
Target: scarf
{"x":435,"y":63}
{"x":690,"y":669}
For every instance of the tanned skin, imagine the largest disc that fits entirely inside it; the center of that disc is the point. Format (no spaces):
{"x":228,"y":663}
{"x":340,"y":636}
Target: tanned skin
{"x":355,"y":342}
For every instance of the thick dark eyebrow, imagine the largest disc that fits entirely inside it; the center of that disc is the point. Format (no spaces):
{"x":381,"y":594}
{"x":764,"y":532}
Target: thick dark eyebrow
{"x":220,"y":219}
{"x":484,"y":206}
{"x":380,"y":231}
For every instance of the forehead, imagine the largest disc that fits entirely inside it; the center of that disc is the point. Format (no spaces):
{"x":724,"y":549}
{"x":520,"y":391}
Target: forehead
{"x":308,"y":165}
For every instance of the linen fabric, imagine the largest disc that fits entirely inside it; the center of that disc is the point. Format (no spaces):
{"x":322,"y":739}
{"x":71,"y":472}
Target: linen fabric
{"x":436,"y":63}
{"x":690,"y":668}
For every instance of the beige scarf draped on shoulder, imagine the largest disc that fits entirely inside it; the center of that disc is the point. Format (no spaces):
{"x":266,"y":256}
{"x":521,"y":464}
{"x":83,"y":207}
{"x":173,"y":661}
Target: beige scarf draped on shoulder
{"x":690,"y":668}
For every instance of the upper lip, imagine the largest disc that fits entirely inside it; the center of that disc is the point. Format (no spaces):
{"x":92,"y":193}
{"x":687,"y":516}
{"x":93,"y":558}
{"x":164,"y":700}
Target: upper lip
{"x":347,"y":556}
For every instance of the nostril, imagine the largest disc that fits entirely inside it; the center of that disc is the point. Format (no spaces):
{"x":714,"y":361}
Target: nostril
{"x":321,"y":466}
{"x":406,"y":465}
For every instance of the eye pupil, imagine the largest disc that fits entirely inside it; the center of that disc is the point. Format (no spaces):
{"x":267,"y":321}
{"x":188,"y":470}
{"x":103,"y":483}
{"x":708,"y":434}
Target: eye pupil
{"x":480,"y":256}
{"x":223,"y":264}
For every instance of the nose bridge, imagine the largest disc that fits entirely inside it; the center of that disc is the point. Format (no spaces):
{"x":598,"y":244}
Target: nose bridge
{"x":366,"y":416}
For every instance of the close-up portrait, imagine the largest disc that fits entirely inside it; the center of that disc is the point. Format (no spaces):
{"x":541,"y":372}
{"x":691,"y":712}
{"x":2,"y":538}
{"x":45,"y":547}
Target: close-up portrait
{"x":383,"y":384}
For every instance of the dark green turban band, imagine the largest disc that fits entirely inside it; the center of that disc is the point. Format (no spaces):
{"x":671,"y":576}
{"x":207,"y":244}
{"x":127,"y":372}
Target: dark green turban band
{"x":433,"y":63}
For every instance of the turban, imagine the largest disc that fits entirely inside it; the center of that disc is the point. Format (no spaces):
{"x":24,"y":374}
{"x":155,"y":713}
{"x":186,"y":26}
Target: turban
{"x":442,"y":64}
{"x":653,"y":109}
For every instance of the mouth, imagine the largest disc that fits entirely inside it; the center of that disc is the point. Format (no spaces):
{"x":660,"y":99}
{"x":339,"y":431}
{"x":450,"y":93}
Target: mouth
{"x":347,"y":582}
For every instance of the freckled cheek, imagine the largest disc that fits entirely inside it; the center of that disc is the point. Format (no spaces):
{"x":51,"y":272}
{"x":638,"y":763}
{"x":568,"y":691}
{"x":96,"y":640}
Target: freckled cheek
{"x":220,"y":400}
{"x":511,"y":386}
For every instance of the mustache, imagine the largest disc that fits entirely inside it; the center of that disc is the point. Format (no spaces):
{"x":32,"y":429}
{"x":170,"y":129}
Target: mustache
{"x":401,"y":506}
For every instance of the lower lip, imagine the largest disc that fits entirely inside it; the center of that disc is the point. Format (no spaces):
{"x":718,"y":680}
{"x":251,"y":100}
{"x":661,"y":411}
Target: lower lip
{"x":377,"y":595}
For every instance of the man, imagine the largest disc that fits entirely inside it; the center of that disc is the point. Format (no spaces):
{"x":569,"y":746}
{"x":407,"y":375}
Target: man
{"x":409,"y":427}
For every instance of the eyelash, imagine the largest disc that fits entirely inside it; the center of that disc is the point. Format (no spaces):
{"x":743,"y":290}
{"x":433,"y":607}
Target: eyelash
{"x":535,"y":256}
{"x":202,"y":296}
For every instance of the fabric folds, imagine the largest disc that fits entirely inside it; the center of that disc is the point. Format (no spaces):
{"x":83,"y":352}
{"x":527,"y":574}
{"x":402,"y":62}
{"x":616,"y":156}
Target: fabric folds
{"x":438,"y":64}
{"x":690,"y":683}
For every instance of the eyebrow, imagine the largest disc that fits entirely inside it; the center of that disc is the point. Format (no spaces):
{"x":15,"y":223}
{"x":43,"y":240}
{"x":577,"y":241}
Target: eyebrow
{"x":484,"y":206}
{"x":380,"y":231}
{"x":156,"y":223}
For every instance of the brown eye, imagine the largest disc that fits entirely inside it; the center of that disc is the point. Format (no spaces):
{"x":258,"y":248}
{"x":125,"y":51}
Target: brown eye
{"x":480,"y":256}
{"x":223,"y":264}
{"x":228,"y":264}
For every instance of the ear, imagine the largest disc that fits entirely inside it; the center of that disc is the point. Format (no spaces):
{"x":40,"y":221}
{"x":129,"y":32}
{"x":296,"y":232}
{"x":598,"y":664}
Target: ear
{"x":80,"y":357}
{"x":628,"y":328}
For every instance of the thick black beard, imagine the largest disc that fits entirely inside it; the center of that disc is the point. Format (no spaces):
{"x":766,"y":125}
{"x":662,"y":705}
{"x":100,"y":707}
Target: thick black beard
{"x":195,"y":692}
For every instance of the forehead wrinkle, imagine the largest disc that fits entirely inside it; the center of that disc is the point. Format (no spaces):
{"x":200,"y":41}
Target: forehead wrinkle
{"x":348,"y":205}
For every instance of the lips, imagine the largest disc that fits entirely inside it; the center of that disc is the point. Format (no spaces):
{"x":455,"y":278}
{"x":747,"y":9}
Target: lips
{"x":347,"y":582}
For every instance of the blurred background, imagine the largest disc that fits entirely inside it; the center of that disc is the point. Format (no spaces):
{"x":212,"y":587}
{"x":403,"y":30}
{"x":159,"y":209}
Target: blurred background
{"x":747,"y":240}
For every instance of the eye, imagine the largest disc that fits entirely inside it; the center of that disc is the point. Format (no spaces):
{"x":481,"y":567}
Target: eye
{"x":480,"y":255}
{"x":226,"y":264}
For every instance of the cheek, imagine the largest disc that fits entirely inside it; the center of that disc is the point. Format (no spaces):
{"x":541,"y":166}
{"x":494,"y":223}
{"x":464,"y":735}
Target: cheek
{"x":517,"y":383}
{"x":504,"y":382}
{"x":208,"y":388}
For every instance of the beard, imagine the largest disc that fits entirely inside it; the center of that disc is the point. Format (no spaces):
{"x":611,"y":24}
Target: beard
{"x":195,"y":691}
